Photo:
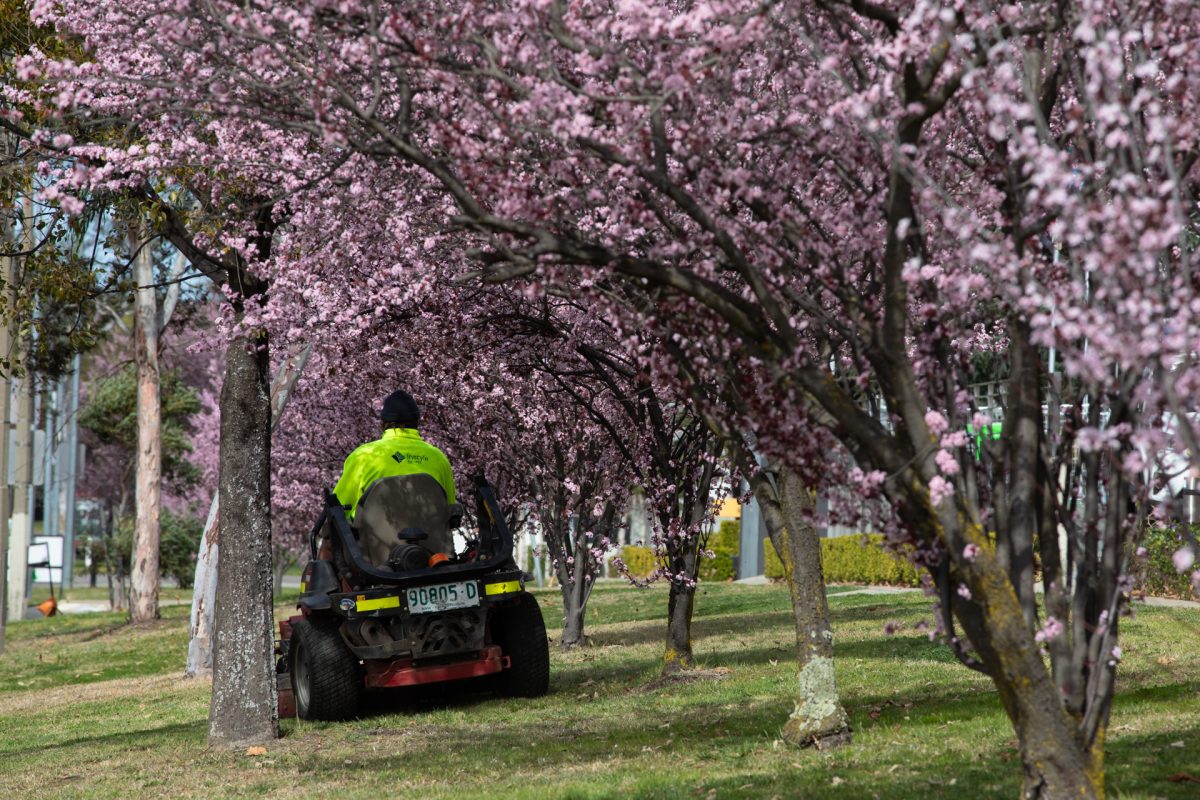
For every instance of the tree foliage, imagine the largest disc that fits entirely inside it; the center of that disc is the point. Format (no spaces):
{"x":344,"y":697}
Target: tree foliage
{"x":111,"y":414}
{"x":817,"y":224}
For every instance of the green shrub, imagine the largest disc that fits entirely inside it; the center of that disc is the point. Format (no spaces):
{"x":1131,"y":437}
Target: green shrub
{"x":772,"y":563}
{"x":717,"y":568}
{"x":850,"y":559}
{"x":640,"y":560}
{"x":179,"y":540}
{"x":1156,"y":573}
{"x":724,"y":543}
{"x":727,"y":539}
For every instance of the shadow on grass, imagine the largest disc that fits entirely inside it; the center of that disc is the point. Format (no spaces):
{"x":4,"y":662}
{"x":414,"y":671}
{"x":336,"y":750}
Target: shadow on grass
{"x":866,"y":608}
{"x":1144,"y":762}
{"x":146,"y":738}
{"x":655,"y":631}
{"x":895,"y":648}
{"x":980,"y":781}
{"x":549,"y":743}
{"x":540,"y":751}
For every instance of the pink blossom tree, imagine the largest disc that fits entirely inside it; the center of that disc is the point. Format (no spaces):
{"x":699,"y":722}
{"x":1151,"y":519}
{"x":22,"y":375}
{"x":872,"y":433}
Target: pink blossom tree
{"x":643,"y":433}
{"x":834,"y":198}
{"x":506,"y":393}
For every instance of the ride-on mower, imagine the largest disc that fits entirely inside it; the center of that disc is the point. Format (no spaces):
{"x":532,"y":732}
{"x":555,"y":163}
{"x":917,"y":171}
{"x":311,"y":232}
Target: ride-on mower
{"x":388,"y":602}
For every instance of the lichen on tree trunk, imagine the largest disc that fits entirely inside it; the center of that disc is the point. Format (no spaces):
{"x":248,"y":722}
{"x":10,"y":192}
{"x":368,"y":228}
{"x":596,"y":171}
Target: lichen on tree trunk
{"x":1055,"y":767}
{"x":818,"y":718}
{"x":244,"y":697}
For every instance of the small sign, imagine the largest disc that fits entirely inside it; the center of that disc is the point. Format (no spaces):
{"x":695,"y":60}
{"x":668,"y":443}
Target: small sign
{"x":46,"y":559}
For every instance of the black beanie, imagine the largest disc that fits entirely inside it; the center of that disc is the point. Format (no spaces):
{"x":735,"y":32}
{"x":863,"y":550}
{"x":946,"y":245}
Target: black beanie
{"x":401,"y":409}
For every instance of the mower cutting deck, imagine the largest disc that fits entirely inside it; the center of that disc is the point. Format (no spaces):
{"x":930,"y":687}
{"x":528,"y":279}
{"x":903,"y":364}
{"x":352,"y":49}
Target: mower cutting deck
{"x":365,"y":625}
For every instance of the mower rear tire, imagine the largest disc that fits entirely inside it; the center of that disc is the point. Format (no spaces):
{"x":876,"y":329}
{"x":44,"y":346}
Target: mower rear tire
{"x":521,"y":634}
{"x":327,"y":680}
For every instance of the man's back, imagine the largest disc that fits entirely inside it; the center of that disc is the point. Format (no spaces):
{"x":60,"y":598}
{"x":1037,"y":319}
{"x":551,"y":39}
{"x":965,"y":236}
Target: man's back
{"x":400,"y":451}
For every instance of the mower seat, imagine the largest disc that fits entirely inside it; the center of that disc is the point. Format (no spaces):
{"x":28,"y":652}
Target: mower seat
{"x":394,"y":505}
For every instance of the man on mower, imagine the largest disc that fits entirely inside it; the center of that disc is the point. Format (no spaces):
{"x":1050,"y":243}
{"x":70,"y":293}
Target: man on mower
{"x":400,"y":451}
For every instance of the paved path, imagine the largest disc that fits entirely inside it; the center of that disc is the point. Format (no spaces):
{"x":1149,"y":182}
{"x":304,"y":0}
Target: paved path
{"x":1170,"y":602}
{"x":82,"y":606}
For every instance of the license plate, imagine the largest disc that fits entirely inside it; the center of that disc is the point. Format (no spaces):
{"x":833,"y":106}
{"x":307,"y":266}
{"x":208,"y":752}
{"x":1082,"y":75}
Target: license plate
{"x":427,"y":599}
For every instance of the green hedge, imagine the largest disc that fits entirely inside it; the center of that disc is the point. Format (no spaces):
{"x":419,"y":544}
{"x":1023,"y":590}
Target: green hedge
{"x":850,"y":559}
{"x":1156,"y":573}
{"x":640,"y":560}
{"x":772,"y":563}
{"x":724,"y":544}
{"x":179,"y":540}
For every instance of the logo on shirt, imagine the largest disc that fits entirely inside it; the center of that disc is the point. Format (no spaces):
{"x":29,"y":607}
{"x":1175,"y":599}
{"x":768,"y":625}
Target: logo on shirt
{"x":399,"y":457}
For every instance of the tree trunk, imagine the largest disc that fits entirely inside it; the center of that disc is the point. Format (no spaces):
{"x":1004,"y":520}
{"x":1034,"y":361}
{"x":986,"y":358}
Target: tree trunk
{"x":6,"y":339}
{"x":106,"y":536}
{"x":21,"y":529}
{"x":1054,"y":764}
{"x":683,"y":560}
{"x":557,"y":527}
{"x":680,"y":604}
{"x":573,"y":614}
{"x":244,"y":697}
{"x":818,"y":717}
{"x":279,"y":565}
{"x":578,"y":587}
{"x":204,"y":593}
{"x":204,"y":587}
{"x":144,"y":579}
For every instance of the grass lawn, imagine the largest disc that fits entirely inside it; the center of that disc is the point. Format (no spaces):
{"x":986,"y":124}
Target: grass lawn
{"x":91,"y":708}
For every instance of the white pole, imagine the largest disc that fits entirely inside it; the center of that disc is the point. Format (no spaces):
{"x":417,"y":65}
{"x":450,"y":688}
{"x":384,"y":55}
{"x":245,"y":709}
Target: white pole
{"x":72,"y":466}
{"x":50,"y":402}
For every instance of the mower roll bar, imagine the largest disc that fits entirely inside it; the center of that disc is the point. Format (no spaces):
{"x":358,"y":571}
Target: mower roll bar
{"x":491,"y":527}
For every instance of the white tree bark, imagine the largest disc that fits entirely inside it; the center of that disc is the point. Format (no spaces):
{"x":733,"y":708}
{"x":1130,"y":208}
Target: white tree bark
{"x":144,"y":579}
{"x":174,"y":289}
{"x":200,"y":651}
{"x":204,"y":589}
{"x":21,"y":529}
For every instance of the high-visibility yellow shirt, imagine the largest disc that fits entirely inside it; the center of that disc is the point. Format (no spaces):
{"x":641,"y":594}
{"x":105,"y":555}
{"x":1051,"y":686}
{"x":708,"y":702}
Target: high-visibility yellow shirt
{"x":400,"y":451}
